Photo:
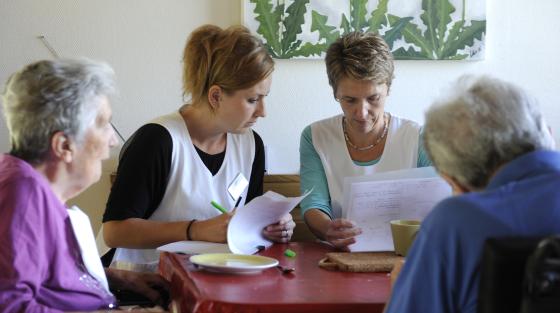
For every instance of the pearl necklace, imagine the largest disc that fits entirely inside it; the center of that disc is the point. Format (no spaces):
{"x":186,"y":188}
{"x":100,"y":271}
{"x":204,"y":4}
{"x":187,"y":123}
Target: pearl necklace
{"x":377,"y":141}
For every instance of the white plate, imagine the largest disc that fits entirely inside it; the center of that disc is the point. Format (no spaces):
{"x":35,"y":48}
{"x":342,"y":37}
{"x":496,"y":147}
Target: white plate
{"x":195,"y":247}
{"x":233,"y":263}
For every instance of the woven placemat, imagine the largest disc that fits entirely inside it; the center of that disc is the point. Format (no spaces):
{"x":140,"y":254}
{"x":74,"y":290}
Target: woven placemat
{"x":359,"y":261}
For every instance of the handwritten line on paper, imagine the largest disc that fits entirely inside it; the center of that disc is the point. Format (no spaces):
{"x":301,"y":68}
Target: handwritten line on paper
{"x":373,"y":204}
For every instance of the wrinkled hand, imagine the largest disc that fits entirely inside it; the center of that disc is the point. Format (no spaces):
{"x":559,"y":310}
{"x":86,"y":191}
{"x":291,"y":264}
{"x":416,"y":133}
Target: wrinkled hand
{"x":281,"y":231}
{"x":212,"y":230}
{"x":341,"y":233}
{"x":151,"y":285}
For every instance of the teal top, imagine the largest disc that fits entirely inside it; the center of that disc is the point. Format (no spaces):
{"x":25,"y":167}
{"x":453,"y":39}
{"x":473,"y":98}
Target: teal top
{"x":312,"y":174}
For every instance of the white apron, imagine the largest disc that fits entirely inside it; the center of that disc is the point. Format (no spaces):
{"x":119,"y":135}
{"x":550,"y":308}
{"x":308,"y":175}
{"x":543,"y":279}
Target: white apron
{"x":400,"y":152}
{"x":191,"y":185}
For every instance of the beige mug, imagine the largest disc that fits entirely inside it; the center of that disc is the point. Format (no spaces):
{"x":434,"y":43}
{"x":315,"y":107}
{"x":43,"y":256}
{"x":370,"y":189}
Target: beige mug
{"x":404,"y":232}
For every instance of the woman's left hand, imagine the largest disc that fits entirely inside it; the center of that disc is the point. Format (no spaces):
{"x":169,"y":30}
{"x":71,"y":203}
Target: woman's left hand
{"x":281,"y":231}
{"x":150,"y":285}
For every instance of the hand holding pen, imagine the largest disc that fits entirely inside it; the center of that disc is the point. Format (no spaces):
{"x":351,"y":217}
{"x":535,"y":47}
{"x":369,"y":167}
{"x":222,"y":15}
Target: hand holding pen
{"x":213,"y":229}
{"x":222,"y":209}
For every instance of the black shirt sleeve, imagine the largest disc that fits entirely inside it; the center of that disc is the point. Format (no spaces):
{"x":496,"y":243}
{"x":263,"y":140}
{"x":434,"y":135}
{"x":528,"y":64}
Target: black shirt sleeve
{"x":257,"y":172}
{"x":142,"y":174}
{"x":144,"y":170}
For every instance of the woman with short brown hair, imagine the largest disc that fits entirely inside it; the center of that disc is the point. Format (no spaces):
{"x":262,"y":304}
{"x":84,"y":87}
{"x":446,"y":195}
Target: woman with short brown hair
{"x":365,"y":139}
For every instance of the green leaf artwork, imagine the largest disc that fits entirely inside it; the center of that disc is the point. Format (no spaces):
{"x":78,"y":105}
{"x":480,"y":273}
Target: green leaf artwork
{"x":414,"y":29}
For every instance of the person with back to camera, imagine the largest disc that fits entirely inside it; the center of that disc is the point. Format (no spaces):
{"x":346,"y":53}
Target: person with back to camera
{"x":490,"y":142}
{"x":58,"y":117}
{"x":365,"y":139}
{"x":175,"y":166}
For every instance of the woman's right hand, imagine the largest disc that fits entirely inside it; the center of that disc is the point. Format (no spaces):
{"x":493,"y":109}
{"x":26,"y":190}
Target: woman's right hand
{"x":212,"y":230}
{"x":341,"y":233}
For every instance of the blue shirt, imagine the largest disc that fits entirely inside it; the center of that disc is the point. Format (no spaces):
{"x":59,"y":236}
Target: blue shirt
{"x":441,"y":272}
{"x":312,"y":173}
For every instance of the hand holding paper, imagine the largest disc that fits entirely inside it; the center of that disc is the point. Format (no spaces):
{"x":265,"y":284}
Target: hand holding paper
{"x":373,"y":201}
{"x":245,"y":231}
{"x":341,"y":233}
{"x":281,"y":231}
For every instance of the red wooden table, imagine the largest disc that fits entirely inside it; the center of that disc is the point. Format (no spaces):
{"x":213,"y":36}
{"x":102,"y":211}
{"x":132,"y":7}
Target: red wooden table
{"x":309,"y":289}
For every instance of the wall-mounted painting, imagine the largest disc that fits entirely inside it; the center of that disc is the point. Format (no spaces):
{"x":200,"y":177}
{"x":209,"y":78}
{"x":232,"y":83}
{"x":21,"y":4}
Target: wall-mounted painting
{"x":414,"y":29}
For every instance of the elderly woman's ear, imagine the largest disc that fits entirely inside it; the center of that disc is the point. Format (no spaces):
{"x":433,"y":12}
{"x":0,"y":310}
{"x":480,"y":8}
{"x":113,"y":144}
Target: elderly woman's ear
{"x":456,"y":186}
{"x":62,"y":147}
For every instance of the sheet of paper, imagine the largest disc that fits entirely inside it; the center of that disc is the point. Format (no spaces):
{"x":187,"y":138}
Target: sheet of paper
{"x":195,"y":247}
{"x":245,"y":227}
{"x":373,"y":204}
{"x":419,"y":172}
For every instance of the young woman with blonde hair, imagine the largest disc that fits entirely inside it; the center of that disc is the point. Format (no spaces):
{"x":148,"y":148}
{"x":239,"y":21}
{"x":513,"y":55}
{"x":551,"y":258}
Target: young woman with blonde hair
{"x":173,"y":167}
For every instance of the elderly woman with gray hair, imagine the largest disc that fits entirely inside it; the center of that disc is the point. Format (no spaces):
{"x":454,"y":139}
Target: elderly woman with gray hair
{"x":491,"y":143}
{"x":58,"y":116}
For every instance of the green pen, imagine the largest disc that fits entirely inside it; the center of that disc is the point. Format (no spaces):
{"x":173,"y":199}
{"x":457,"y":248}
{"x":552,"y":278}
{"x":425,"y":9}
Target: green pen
{"x":217,"y":206}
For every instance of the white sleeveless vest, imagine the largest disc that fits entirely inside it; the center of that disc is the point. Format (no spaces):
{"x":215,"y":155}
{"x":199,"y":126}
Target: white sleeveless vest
{"x":191,"y":185}
{"x":400,"y":152}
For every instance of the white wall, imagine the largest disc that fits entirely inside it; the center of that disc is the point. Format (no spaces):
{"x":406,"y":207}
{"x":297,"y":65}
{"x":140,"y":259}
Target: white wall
{"x":143,"y":40}
{"x":521,"y":46}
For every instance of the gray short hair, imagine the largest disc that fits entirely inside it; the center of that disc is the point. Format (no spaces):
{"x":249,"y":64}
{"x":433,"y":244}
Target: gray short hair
{"x":483,"y":124}
{"x":50,"y":96}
